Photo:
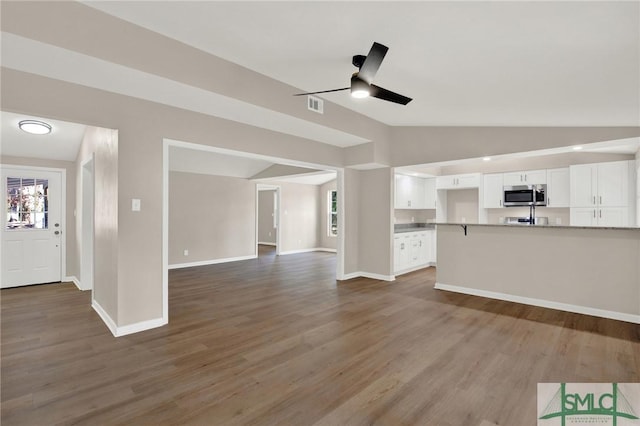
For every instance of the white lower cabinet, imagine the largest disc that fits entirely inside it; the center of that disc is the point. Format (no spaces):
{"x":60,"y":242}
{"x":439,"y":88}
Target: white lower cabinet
{"x":413,"y":250}
{"x":600,"y":216}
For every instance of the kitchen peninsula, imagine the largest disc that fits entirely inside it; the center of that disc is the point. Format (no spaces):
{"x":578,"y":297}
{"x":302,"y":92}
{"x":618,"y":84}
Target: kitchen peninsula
{"x":588,"y":270}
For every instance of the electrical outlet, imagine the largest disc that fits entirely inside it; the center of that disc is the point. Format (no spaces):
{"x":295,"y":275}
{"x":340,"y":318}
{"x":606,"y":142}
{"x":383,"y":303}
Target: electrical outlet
{"x":558,"y":221}
{"x":464,"y":219}
{"x":413,"y":219}
{"x":185,"y":252}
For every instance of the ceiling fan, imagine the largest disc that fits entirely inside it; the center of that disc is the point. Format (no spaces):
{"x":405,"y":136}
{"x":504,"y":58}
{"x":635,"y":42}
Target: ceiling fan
{"x":361,"y":81}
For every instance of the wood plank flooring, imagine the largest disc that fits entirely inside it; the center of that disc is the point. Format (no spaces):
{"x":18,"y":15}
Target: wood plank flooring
{"x":276,"y":341}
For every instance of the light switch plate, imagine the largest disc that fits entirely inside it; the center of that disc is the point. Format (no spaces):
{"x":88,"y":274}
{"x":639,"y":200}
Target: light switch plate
{"x":135,"y":204}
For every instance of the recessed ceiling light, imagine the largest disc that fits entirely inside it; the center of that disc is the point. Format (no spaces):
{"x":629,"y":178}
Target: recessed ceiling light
{"x":35,"y":127}
{"x":577,"y":148}
{"x":486,"y":159}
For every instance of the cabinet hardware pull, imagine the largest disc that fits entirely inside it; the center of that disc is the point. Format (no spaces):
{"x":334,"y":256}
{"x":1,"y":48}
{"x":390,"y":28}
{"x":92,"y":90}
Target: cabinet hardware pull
{"x":601,"y":199}
{"x":594,"y":199}
{"x":594,"y":213}
{"x":600,"y":213}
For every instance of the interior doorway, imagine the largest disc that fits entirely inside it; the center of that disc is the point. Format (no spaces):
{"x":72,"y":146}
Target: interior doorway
{"x":267,"y":220}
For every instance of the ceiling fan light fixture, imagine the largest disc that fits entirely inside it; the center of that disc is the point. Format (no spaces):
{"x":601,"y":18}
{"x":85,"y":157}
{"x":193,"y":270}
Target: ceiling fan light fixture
{"x":35,"y":127}
{"x":359,"y":88}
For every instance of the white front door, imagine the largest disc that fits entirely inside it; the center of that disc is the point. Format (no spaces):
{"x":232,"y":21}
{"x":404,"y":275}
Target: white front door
{"x":31,"y":228}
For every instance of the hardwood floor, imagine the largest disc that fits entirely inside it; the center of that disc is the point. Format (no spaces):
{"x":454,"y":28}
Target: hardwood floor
{"x":276,"y":341}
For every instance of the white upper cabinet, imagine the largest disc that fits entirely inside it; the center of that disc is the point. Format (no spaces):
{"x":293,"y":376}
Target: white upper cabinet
{"x":558,"y":187}
{"x":600,"y":194}
{"x":530,"y":177}
{"x":613,"y":184}
{"x":430,"y":193}
{"x":410,"y":192}
{"x":493,"y":191}
{"x":600,"y":184}
{"x":471,"y":180}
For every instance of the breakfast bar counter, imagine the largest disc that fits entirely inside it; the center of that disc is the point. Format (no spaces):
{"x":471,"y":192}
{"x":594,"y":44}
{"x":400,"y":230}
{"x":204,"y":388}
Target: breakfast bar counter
{"x":589,"y":270}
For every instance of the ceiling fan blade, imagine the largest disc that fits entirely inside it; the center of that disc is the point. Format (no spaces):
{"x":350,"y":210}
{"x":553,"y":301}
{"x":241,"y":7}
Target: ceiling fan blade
{"x":371,"y":64}
{"x":322,"y":91}
{"x":388,"y":95}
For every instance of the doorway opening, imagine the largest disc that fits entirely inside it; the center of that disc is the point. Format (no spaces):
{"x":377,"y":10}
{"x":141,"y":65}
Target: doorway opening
{"x":267,"y":220}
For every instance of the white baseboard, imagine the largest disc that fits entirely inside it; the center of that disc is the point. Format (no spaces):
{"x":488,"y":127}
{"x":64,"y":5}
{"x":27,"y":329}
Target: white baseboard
{"x":415,"y":268}
{"x":308,"y":250}
{"x":74,"y":280}
{"x":140,"y":326}
{"x":262,"y":243}
{"x":211,"y":262}
{"x":368,"y":275}
{"x":110,"y":323}
{"x":127,"y":329}
{"x":585,"y":310}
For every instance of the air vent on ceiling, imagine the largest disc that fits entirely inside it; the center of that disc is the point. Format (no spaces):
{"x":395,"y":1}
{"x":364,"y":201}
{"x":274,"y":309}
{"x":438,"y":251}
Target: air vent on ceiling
{"x":315,"y":104}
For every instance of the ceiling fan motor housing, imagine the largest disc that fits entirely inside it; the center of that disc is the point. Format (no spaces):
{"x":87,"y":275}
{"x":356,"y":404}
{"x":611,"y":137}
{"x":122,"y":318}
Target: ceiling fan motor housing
{"x":358,"y":60}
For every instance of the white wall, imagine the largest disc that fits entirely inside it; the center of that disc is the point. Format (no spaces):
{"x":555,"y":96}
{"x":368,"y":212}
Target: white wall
{"x":213,"y":217}
{"x":299,"y":217}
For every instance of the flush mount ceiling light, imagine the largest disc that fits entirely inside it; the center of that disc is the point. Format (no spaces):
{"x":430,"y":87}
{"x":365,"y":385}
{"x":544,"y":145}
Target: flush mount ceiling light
{"x":577,"y":148}
{"x":486,"y":158}
{"x":35,"y":127}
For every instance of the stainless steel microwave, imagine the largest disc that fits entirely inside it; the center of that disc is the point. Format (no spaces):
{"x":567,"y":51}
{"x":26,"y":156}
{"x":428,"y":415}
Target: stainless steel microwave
{"x":525,"y":195}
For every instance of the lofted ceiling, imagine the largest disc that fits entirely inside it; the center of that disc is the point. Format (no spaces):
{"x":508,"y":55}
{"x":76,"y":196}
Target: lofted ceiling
{"x":478,"y":63}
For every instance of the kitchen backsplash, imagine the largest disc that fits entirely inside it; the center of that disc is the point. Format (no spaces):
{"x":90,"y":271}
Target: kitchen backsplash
{"x":419,"y":216}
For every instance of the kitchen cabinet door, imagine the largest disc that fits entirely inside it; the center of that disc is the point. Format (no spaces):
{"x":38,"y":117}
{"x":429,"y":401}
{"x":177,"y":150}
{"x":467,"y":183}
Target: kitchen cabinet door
{"x":535,"y":177}
{"x":584,"y":185}
{"x":403,"y":192}
{"x":430,"y":194}
{"x":424,"y":249}
{"x":493,"y":191}
{"x":558,"y":187}
{"x":458,"y":181}
{"x":583,"y":216}
{"x":613,"y":216}
{"x":613,"y":184}
{"x":417,"y":194}
{"x":468,"y":181}
{"x":401,"y":251}
{"x":529,"y":177}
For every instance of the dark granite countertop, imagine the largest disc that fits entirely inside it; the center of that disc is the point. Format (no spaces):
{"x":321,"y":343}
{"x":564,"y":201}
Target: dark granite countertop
{"x":504,"y":225}
{"x":413,"y":227}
